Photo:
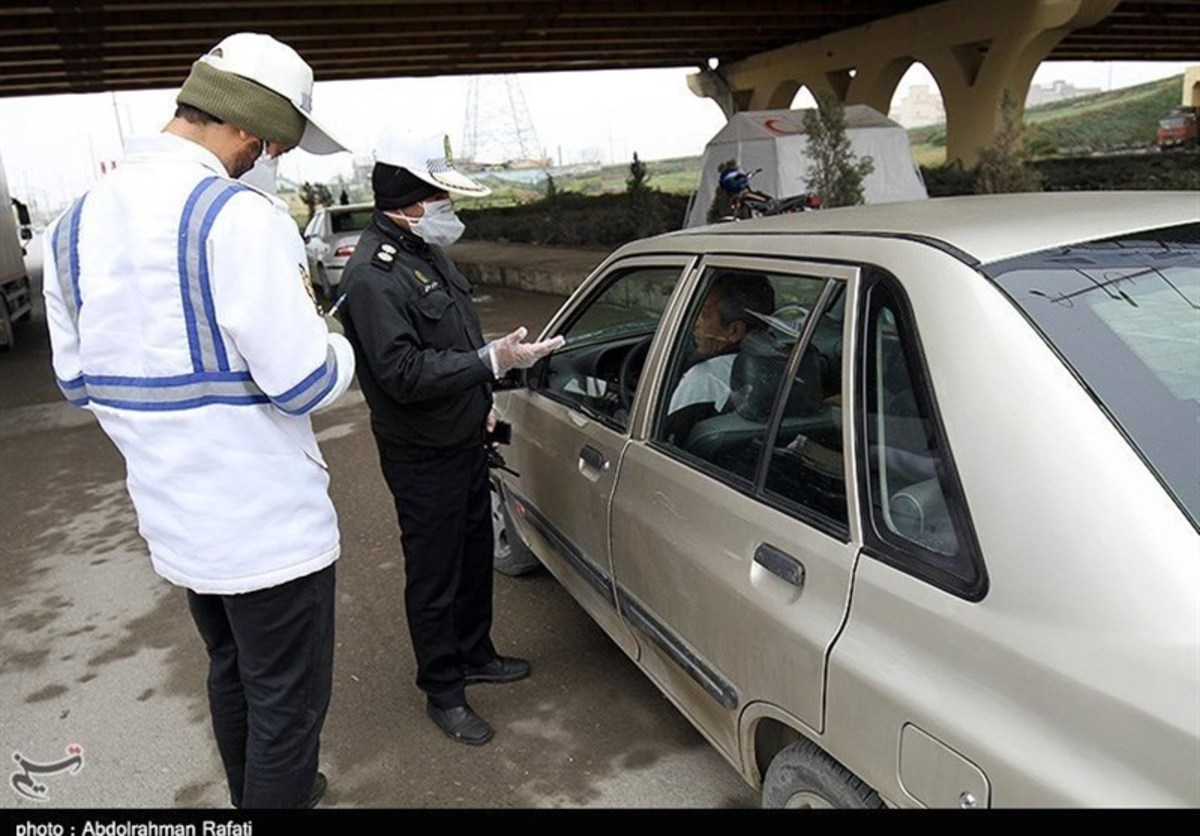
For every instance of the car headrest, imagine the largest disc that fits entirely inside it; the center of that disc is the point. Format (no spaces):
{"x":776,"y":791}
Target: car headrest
{"x":757,"y":372}
{"x":754,"y":378}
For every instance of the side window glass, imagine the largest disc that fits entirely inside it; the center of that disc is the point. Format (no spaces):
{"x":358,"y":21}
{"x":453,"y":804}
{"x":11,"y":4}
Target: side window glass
{"x":807,"y":466}
{"x":728,"y":362}
{"x":311,"y":229}
{"x":915,"y":506}
{"x":607,"y":342}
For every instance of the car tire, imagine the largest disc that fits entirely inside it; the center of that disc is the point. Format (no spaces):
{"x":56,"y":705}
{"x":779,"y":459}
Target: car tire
{"x":8,"y":335}
{"x":321,"y":280}
{"x":510,"y":555}
{"x":804,"y":776}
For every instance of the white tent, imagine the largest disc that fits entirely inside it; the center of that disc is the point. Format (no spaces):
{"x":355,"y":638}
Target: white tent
{"x":774,"y":141}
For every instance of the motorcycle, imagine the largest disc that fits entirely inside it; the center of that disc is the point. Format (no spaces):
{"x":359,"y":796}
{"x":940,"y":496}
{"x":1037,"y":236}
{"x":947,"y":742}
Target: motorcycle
{"x":753,"y":203}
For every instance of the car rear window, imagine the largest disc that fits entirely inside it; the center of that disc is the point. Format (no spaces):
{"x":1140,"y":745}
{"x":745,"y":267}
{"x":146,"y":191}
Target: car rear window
{"x":1125,"y":315}
{"x":352,"y":221}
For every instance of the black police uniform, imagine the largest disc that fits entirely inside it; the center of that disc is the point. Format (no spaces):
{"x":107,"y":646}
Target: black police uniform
{"x":417,"y":341}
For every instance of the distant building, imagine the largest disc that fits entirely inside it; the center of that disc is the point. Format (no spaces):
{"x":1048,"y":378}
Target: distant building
{"x":920,"y":106}
{"x":1056,"y":92}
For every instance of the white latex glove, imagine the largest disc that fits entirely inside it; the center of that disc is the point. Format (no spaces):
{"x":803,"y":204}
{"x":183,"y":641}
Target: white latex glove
{"x":512,"y":353}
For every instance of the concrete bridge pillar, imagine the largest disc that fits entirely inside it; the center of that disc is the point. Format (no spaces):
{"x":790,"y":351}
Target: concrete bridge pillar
{"x":975,"y":51}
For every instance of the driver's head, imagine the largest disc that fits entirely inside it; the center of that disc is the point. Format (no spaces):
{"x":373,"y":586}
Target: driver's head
{"x":725,"y":317}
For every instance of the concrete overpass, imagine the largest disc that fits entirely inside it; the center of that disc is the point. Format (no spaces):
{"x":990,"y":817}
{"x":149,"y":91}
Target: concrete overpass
{"x":756,"y":54}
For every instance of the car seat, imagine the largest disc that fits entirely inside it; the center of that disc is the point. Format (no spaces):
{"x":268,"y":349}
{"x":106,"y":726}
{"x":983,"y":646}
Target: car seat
{"x":732,"y":440}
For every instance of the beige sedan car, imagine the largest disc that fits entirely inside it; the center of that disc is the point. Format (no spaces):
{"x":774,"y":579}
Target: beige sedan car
{"x":900,"y":504}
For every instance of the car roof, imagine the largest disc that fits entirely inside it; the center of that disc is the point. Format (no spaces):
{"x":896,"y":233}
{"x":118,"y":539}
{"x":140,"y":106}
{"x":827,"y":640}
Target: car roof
{"x":980,"y":228}
{"x":349,"y":207}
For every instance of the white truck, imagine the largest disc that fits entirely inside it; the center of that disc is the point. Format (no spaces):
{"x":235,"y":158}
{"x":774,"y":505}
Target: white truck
{"x":16,"y":297}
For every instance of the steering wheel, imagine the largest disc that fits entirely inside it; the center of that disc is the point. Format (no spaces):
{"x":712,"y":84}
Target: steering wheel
{"x":631,"y":370}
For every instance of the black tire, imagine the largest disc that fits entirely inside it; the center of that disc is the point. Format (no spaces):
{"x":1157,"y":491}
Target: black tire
{"x":803,"y":776}
{"x":8,"y":335}
{"x":510,"y":555}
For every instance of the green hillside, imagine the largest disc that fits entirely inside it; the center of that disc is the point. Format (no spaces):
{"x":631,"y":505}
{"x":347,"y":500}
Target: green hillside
{"x":1102,"y":122}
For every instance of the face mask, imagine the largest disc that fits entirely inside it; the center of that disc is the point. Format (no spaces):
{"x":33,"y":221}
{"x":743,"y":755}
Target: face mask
{"x":262,"y":175}
{"x":439,"y":225}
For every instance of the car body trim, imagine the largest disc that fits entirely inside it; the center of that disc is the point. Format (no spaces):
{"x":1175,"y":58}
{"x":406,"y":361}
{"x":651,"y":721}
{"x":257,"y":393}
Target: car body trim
{"x":599,"y":580}
{"x":713,"y":683}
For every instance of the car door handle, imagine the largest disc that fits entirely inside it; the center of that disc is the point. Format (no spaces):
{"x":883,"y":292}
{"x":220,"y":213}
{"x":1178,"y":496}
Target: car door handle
{"x":593,"y":458}
{"x":780,"y":564}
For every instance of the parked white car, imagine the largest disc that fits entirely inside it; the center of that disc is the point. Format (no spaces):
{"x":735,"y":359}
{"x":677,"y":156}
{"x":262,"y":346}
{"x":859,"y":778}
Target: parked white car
{"x":329,"y":240}
{"x":933,"y":540}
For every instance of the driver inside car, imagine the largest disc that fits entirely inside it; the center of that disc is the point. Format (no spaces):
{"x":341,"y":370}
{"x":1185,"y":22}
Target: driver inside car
{"x":725,"y":319}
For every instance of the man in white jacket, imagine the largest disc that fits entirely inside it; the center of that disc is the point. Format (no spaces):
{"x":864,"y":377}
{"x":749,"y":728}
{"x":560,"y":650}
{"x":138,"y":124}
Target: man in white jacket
{"x":178,"y":312}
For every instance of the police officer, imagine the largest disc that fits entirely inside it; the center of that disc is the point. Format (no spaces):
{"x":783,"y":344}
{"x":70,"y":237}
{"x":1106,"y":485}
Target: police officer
{"x":178,"y":313}
{"x":426,"y":374}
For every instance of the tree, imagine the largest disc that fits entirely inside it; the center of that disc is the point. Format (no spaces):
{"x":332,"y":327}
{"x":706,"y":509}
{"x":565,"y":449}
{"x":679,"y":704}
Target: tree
{"x":312,"y":195}
{"x":640,"y":204}
{"x":837,"y":173}
{"x":1005,"y":166}
{"x":637,"y":176}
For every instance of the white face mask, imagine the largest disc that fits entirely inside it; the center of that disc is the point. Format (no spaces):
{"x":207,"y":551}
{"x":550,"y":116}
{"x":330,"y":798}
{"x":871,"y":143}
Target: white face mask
{"x":439,"y":225}
{"x":262,"y":175}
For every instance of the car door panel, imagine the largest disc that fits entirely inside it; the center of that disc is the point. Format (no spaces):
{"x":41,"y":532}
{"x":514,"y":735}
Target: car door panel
{"x":735,"y":598}
{"x":699,"y":583}
{"x":571,"y":431}
{"x":561,"y":502}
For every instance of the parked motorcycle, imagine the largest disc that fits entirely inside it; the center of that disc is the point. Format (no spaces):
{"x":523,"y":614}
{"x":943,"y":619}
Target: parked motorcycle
{"x":748,"y":202}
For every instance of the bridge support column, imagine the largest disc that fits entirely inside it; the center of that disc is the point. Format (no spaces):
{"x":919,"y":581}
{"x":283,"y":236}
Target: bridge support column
{"x":974,"y":51}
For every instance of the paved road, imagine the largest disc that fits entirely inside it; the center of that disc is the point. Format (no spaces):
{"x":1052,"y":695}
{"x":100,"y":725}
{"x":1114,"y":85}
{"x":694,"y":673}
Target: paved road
{"x":95,"y":650}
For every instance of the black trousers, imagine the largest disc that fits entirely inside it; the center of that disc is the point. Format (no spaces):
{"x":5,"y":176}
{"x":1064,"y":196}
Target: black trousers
{"x":444,"y":508}
{"x":270,"y":674}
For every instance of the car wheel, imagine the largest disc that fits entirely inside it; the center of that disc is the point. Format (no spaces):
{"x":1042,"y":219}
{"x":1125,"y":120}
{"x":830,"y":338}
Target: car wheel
{"x":8,"y":336}
{"x":803,"y":776}
{"x":510,"y":556}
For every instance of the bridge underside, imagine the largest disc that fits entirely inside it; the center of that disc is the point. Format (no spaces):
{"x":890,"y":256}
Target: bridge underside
{"x":975,"y":51}
{"x":765,"y":49}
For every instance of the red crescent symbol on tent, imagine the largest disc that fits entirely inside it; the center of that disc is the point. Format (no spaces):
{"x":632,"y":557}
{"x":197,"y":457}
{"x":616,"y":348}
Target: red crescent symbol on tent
{"x":770,"y":125}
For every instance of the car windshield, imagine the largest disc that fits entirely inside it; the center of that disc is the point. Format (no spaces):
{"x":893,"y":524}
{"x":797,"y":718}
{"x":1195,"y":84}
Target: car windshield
{"x":351,"y":221}
{"x":1125,"y":314}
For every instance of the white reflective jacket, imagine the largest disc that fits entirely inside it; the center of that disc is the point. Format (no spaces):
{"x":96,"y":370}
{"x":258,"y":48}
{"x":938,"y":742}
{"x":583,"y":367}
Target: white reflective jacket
{"x":178,"y":315}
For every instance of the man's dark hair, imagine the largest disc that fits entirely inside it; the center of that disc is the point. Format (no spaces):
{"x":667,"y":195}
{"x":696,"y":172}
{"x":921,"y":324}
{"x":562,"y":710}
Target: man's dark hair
{"x":196,"y":116}
{"x":739,"y":292}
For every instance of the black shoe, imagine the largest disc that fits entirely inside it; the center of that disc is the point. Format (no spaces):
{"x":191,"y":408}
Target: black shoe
{"x":500,"y":669}
{"x":460,"y":723}
{"x":318,"y":789}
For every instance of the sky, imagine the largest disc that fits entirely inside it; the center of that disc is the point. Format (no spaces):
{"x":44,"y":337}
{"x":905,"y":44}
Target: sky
{"x":52,"y":147}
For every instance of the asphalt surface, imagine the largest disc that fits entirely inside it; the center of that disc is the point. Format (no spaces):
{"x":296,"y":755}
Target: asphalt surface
{"x":98,"y":652}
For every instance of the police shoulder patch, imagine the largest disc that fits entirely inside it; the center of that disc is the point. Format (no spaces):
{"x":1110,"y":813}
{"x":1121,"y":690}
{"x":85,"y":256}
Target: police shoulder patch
{"x":384,"y":256}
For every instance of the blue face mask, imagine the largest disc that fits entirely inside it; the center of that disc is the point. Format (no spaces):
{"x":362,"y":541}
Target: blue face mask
{"x":439,"y":225}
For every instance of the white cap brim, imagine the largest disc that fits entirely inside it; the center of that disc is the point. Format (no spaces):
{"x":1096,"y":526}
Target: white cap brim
{"x":317,"y":140}
{"x":453,"y":180}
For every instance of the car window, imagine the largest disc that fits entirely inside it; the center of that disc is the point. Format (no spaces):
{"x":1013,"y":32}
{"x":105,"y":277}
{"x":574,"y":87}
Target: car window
{"x":728,"y":362}
{"x":350,"y":220}
{"x":807,"y":466}
{"x":1125,"y":316}
{"x":607,"y":342}
{"x":314,"y":225}
{"x":917,"y":514}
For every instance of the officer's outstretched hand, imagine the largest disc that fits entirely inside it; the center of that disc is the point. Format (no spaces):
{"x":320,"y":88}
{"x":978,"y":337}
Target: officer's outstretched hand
{"x":512,"y":352}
